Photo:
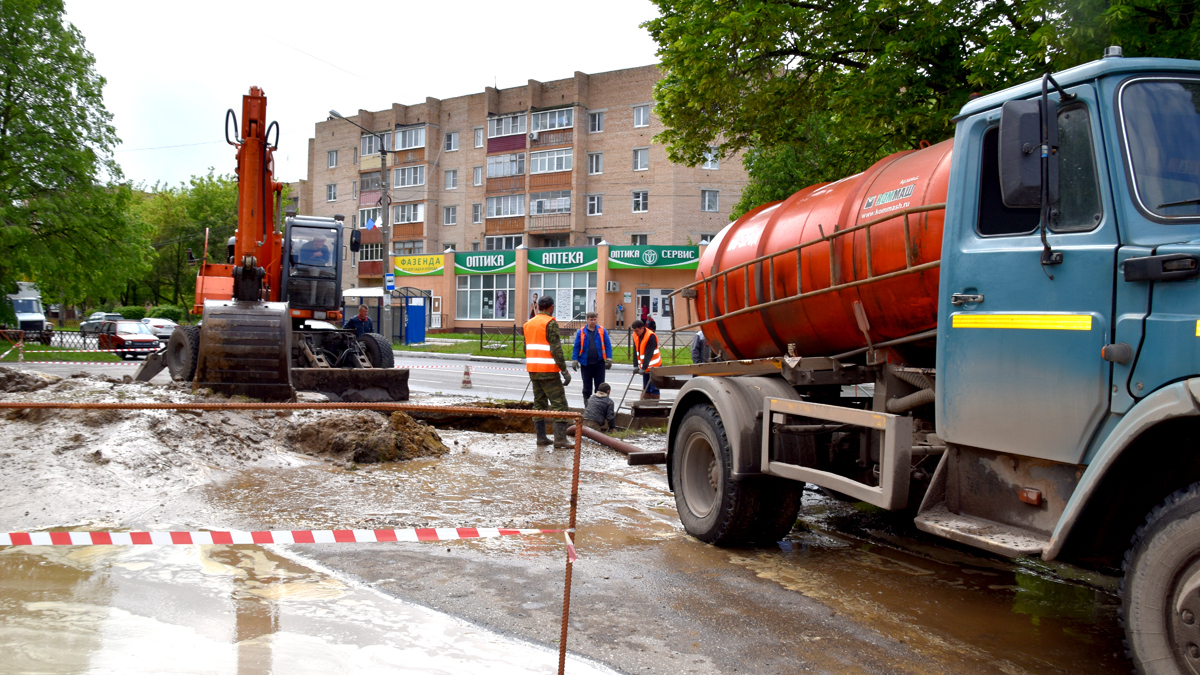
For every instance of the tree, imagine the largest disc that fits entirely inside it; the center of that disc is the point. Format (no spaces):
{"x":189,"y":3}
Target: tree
{"x":64,"y":221}
{"x":816,"y":90}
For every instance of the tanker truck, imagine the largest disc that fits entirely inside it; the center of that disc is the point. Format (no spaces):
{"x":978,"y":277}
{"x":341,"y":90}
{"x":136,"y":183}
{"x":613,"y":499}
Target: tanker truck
{"x":1024,"y":302}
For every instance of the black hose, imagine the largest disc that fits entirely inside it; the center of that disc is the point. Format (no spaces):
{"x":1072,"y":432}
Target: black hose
{"x":906,"y":403}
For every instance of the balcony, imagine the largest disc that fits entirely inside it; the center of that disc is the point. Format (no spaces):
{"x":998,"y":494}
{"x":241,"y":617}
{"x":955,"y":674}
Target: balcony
{"x":559,"y":179}
{"x":506,"y":143}
{"x":369,"y":197}
{"x":372,"y":236}
{"x":414,"y":155}
{"x":408,"y":230}
{"x":368,"y":163}
{"x":371,"y":268}
{"x":506,"y":184}
{"x":504,"y":225}
{"x":557,"y":222}
{"x":547,"y":139}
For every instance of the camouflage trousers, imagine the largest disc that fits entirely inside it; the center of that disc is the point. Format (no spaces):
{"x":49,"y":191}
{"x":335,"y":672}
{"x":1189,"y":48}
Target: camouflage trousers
{"x":548,"y":393}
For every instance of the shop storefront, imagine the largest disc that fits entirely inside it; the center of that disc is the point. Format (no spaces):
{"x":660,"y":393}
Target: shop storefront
{"x":486,"y":284}
{"x":569,"y":275}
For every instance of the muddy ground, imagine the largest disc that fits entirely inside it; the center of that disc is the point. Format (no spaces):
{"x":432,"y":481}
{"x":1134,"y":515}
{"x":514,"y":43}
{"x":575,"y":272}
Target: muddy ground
{"x":851,"y":590}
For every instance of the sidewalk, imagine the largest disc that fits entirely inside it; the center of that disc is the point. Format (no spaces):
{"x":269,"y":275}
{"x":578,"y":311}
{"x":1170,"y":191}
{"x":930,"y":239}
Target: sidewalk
{"x":487,"y":359}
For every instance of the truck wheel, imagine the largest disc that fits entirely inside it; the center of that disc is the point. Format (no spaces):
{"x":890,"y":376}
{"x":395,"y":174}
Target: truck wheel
{"x":378,"y":349}
{"x":183,"y":351}
{"x":1160,"y":592}
{"x":712,"y":506}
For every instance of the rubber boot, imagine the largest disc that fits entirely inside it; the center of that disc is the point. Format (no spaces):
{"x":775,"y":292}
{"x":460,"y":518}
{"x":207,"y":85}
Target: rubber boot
{"x":542,"y":438}
{"x":560,"y":436}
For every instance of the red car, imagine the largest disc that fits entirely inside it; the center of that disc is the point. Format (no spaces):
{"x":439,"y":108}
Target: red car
{"x":134,"y":335}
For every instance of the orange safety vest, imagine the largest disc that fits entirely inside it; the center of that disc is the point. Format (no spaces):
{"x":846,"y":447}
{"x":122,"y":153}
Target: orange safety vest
{"x":640,"y":346}
{"x":538,"y":358}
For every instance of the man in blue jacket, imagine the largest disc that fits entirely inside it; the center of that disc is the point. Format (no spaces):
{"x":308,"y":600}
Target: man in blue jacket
{"x":592,"y":351}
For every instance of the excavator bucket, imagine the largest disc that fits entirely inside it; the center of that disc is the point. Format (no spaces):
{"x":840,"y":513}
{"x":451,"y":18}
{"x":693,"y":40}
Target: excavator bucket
{"x":245,"y":348}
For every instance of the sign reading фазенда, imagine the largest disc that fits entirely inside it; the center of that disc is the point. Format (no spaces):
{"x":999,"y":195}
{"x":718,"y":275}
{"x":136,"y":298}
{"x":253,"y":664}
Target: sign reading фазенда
{"x":485,"y":262}
{"x":659,"y":257}
{"x":420,"y":265}
{"x":562,"y":259}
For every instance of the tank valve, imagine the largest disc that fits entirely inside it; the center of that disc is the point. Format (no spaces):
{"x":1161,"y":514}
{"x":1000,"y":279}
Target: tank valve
{"x":1113,"y":52}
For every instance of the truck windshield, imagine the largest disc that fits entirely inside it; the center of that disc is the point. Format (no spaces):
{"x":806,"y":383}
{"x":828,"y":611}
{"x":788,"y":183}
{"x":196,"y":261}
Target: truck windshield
{"x":26,"y":306}
{"x":312,"y":251}
{"x":1162,"y":135}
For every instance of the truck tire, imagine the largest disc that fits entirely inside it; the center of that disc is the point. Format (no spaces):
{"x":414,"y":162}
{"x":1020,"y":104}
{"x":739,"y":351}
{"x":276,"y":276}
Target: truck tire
{"x":378,"y":349}
{"x":712,"y":506}
{"x":183,"y":351}
{"x":1160,"y":592}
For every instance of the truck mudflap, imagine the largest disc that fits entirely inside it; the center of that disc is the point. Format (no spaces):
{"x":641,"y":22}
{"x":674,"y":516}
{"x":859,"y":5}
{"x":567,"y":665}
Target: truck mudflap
{"x":355,"y":385}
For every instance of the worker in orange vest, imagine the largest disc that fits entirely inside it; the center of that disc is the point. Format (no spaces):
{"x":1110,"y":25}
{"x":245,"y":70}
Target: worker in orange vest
{"x":645,"y":344}
{"x":544,"y":362}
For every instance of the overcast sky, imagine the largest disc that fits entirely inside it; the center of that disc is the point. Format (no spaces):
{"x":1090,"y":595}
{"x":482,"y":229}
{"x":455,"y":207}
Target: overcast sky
{"x":174,"y":68}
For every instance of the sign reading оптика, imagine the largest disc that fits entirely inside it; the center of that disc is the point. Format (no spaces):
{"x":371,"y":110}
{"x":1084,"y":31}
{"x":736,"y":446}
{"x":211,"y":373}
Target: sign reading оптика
{"x":658,"y":257}
{"x":485,"y":262}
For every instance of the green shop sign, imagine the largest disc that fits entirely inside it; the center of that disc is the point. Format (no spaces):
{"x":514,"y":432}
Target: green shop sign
{"x":658,"y":257}
{"x":562,"y":259}
{"x":485,"y":262}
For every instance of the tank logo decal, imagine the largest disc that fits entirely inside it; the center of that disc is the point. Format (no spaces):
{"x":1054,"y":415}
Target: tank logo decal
{"x":1023,"y":321}
{"x":889,"y":196}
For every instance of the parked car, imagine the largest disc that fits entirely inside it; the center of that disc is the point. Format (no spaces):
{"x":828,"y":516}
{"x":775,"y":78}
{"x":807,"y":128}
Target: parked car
{"x":133,"y":335}
{"x":92,"y":325}
{"x":162,"y":328}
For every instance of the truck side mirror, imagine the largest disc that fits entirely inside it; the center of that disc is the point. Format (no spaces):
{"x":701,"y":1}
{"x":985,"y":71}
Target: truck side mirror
{"x":1020,"y":153}
{"x":355,"y":241}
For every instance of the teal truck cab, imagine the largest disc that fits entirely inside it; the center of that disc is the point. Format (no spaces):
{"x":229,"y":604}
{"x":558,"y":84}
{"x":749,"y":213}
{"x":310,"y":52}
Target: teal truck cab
{"x":1024,"y":302}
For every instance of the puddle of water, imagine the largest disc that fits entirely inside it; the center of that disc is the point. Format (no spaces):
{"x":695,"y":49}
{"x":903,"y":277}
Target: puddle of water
{"x":223,"y":609}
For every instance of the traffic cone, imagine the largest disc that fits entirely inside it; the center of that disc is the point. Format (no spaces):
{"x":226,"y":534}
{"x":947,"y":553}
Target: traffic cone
{"x":466,"y":383}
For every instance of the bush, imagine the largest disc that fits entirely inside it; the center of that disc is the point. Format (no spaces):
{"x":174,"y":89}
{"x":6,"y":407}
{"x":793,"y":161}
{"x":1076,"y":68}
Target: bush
{"x":133,"y":312}
{"x":171,"y":312}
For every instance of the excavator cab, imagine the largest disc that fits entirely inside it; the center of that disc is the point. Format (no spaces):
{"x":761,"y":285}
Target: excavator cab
{"x":312,"y":268}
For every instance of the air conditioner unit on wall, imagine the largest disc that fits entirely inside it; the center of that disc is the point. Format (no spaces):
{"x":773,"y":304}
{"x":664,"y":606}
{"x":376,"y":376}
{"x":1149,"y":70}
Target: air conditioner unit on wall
{"x":613,"y":287}
{"x":533,"y":135}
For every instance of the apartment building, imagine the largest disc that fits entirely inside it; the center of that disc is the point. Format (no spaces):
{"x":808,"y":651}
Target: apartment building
{"x":563,"y":164}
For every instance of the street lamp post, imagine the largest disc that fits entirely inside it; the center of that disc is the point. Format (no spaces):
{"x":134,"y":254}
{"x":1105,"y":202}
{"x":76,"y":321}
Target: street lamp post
{"x":385,"y":204}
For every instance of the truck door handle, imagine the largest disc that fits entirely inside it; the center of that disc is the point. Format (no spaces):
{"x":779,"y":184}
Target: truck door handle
{"x":963,"y":298}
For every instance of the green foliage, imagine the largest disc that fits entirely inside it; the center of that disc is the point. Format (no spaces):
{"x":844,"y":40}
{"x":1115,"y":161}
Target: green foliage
{"x":132,"y":312}
{"x":64,"y":222}
{"x":814,"y":91}
{"x":171,"y":312}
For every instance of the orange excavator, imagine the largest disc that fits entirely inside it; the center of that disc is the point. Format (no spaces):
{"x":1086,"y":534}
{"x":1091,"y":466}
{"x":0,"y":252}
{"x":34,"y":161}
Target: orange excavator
{"x":264,"y":332}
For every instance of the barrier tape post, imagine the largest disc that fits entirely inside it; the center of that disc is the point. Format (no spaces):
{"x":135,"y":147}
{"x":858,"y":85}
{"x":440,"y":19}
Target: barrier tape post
{"x":566,"y":612}
{"x":21,"y":351}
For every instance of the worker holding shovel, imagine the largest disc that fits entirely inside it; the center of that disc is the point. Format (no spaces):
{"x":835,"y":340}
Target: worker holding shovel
{"x":544,"y":362}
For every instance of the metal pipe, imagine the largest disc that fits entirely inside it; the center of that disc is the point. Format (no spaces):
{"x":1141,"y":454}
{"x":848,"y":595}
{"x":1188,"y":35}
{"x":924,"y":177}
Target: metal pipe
{"x":635,"y":454}
{"x":906,"y":403}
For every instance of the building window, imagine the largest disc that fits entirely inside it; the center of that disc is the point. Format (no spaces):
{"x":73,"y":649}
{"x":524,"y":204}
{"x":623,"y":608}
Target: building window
{"x":576,"y":288}
{"x":452,"y":179}
{"x":477,"y":175}
{"x":410,"y":176}
{"x":641,"y":201}
{"x":554,"y":119}
{"x":354,"y":155}
{"x":407,"y":139}
{"x":331,"y":192}
{"x":353,"y":190}
{"x":706,"y":239}
{"x":486,"y":296}
{"x":333,"y":159}
{"x":452,"y":141}
{"x":505,"y":207}
{"x":370,"y":252}
{"x":550,"y":161}
{"x":369,"y":181}
{"x":450,"y":215}
{"x":475,"y":246}
{"x":555,"y":242}
{"x":499,"y":166}
{"x":477,"y":213}
{"x":639,"y":239}
{"x":414,"y":247}
{"x":503,"y":243}
{"x":370,"y":218}
{"x":594,"y":241}
{"x":595,"y":122}
{"x":595,"y":163}
{"x":408,"y":213}
{"x":479,"y":138}
{"x":641,"y":159}
{"x":449,"y":245}
{"x":708,"y":200}
{"x":595,"y":205}
{"x":369,"y":144}
{"x":711,"y":161}
{"x":641,"y":116}
{"x":541,"y":203}
{"x":506,"y":126}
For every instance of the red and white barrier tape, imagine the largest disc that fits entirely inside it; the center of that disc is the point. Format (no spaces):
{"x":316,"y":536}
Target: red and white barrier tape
{"x":130,"y":350}
{"x":472,"y":366}
{"x":86,"y":363}
{"x":19,"y":344}
{"x":267,"y":537}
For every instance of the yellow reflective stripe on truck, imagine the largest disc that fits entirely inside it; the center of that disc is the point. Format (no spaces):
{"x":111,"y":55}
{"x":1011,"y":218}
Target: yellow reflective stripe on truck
{"x":1025,"y":321}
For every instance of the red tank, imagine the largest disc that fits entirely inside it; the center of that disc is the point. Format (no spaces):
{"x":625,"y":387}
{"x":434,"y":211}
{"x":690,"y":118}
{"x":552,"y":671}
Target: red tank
{"x":824,"y":323}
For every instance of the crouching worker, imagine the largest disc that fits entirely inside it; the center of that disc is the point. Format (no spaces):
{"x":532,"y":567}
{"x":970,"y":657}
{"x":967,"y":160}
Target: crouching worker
{"x":600,"y":414}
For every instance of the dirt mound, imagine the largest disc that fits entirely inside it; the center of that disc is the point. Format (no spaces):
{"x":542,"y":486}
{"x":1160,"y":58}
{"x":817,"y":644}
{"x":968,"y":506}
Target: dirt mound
{"x":13,"y":380}
{"x":366,"y":437}
{"x":491,"y":425}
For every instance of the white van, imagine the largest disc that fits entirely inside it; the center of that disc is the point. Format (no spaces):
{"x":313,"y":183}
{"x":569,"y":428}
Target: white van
{"x":31,"y":317}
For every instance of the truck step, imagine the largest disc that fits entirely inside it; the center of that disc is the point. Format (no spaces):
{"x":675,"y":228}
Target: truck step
{"x":999,"y":538}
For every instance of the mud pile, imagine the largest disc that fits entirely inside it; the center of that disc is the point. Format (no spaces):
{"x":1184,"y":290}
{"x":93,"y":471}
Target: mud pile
{"x":367,"y":438}
{"x":14,"y":381}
